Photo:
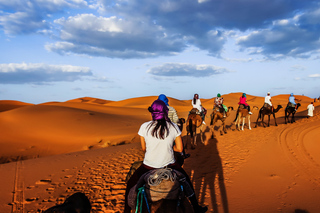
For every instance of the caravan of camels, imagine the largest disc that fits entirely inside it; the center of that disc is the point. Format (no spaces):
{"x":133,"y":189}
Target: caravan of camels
{"x":76,"y":155}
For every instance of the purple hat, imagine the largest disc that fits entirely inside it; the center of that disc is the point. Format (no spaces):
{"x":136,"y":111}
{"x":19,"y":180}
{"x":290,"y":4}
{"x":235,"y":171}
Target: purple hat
{"x":159,"y":110}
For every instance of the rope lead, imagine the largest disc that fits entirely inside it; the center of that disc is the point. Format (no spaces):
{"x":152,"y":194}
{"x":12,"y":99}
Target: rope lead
{"x":141,"y":194}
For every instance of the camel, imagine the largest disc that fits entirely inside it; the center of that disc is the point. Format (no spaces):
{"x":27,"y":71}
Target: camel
{"x":267,"y":111}
{"x":290,"y":110}
{"x":194,"y":121}
{"x":180,"y":123}
{"x":217,"y":115}
{"x":242,"y":114}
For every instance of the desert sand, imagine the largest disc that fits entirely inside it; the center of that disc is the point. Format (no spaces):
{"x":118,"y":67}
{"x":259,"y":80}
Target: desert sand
{"x":51,"y":150}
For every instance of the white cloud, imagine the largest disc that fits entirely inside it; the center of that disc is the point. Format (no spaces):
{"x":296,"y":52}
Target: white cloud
{"x":314,"y":76}
{"x":24,"y":17}
{"x":40,"y":73}
{"x":275,"y":29}
{"x":184,"y":69}
{"x":114,"y":37}
{"x":297,"y":37}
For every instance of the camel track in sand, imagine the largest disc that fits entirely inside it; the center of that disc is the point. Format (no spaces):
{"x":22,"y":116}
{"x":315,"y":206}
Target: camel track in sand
{"x":293,"y":143}
{"x":18,"y":190}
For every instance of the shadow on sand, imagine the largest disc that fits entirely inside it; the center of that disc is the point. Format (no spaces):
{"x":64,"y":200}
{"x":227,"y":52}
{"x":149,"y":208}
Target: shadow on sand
{"x":206,"y":173}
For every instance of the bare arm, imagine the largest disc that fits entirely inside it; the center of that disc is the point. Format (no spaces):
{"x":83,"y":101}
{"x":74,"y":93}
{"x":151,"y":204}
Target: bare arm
{"x":143,"y":143}
{"x":178,"y":146}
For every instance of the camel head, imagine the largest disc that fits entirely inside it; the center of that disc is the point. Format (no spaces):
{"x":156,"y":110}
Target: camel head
{"x":230,"y":108}
{"x":278,"y":108}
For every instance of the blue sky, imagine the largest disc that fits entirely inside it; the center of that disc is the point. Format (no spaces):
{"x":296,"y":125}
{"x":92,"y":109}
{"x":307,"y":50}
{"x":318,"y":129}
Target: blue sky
{"x":57,"y":50}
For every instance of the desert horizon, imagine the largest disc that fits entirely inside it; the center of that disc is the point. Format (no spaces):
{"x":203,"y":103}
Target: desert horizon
{"x":50,"y":150}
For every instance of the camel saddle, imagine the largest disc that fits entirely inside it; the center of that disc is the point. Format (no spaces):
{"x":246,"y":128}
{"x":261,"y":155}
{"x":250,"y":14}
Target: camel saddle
{"x":195,"y":111}
{"x":161,"y":184}
{"x":221,"y":109}
{"x":291,"y":105}
{"x":265,"y":105}
{"x":242,"y":106}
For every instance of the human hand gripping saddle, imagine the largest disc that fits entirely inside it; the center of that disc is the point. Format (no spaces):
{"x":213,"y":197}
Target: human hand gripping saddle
{"x":156,"y":185}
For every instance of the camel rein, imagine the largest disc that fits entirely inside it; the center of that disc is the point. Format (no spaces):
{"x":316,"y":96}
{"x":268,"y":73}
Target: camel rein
{"x":141,"y":195}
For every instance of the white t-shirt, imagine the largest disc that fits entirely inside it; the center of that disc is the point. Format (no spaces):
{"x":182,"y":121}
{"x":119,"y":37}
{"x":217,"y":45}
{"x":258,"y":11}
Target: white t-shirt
{"x":197,"y":105}
{"x":159,"y":152}
{"x":267,"y":100}
{"x":310,"y":110}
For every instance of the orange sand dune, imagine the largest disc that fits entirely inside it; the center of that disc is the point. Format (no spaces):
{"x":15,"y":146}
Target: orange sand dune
{"x":9,"y":104}
{"x":145,"y":102}
{"x":90,"y":100}
{"x":273,"y":169}
{"x":42,"y":130}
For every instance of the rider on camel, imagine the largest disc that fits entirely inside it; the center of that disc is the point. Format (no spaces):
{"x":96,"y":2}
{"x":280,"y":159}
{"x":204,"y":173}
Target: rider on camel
{"x":159,"y":139}
{"x":218,"y":102}
{"x":243,"y":101}
{"x":196,"y":103}
{"x":292,"y":102}
{"x":267,"y":101}
{"x":173,"y":116}
{"x":172,"y":113}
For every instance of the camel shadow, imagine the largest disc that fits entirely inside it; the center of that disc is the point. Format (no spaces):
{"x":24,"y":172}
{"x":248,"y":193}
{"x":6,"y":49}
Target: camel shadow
{"x":187,"y":139}
{"x":206,"y":173}
{"x":228,"y":127}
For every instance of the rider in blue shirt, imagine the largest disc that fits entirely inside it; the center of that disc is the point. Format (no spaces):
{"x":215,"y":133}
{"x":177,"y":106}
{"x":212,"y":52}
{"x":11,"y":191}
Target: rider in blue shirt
{"x":292,"y":102}
{"x":292,"y":99}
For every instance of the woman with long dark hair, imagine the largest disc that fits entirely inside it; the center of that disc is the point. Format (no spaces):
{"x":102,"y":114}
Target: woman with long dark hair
{"x":159,"y":139}
{"x":196,"y":103}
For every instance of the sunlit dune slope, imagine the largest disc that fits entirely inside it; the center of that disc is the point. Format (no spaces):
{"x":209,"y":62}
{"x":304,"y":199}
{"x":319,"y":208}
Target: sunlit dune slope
{"x":10,"y":104}
{"x":145,"y":102}
{"x":41,"y":130}
{"x":90,"y":100}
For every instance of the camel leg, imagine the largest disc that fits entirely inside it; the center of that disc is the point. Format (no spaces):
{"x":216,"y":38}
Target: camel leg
{"x":257,"y":120}
{"x":212,"y":134}
{"x":285,"y":117}
{"x":192,"y":142}
{"x":191,"y":139}
{"x":293,"y":119}
{"x":224,"y":127}
{"x":290,"y":121}
{"x":201,"y":138}
{"x":262,"y":120}
{"x":195,"y":137}
{"x":220,"y":130}
{"x":243,"y":122}
{"x":237,"y":124}
{"x":275,"y":121}
{"x":249,"y":122}
{"x":268,"y":120}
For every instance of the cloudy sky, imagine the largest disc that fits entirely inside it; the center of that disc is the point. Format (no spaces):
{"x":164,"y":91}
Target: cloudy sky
{"x":57,"y":50}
